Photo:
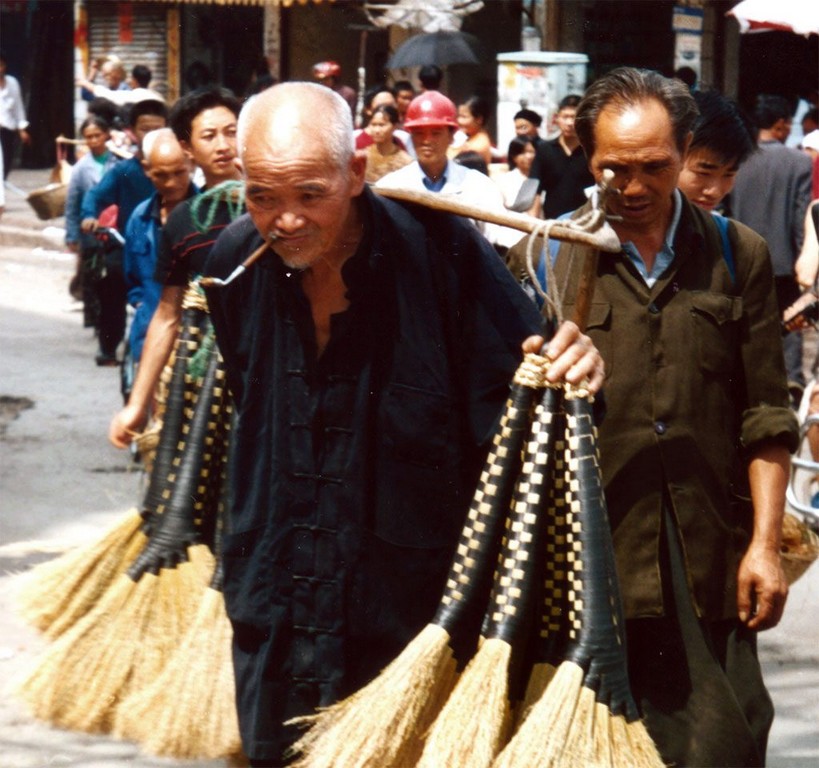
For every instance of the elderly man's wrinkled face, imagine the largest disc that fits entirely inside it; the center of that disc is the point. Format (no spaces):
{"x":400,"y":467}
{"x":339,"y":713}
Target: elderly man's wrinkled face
{"x":637,"y":143}
{"x":296,"y":189}
{"x":169,"y":170}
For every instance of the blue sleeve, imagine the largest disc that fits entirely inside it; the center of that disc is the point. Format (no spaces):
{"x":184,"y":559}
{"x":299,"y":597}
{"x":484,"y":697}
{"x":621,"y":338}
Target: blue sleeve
{"x":99,"y":197}
{"x":130,"y":261}
{"x":73,"y":202}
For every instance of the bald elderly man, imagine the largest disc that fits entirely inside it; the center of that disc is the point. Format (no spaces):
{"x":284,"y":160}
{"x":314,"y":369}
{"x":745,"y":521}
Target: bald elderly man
{"x":369,"y":352}
{"x":169,"y":170}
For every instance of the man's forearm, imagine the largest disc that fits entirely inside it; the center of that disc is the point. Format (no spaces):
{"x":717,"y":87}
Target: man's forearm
{"x":768,"y":475}
{"x":761,"y":585}
{"x":159,"y":341}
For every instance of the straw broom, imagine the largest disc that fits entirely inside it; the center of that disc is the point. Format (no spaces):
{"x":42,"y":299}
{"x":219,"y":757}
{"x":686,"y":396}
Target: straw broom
{"x":55,"y":594}
{"x":382,"y":724}
{"x":133,"y":631}
{"x":473,"y":725}
{"x":79,"y":680}
{"x":189,"y":710}
{"x":577,"y":721}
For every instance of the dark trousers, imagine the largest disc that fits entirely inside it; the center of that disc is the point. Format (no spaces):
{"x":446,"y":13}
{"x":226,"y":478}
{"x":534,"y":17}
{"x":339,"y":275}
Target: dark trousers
{"x":8,"y":141}
{"x":698,"y":684}
{"x":112,"y":300}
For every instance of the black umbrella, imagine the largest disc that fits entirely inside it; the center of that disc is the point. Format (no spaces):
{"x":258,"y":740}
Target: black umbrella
{"x":439,"y":48}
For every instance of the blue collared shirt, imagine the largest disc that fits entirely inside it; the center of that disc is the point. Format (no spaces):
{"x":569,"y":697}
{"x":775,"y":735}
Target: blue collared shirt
{"x":663,"y":259}
{"x":432,"y":185}
{"x":664,"y":256}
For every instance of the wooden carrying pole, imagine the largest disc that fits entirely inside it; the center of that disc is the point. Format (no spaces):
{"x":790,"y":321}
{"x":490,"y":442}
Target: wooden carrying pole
{"x":592,"y":231}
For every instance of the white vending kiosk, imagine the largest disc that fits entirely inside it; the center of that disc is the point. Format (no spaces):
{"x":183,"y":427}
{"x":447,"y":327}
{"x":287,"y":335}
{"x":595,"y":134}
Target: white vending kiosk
{"x":535,"y":80}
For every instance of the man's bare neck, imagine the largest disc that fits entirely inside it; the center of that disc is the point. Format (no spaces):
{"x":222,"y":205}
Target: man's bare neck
{"x":569,"y":144}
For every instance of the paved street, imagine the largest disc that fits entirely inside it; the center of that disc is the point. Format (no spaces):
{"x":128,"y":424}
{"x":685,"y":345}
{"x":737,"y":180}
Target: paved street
{"x":60,"y":484}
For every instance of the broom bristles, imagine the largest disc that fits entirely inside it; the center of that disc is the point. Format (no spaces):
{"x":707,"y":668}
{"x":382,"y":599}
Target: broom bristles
{"x":540,"y":676}
{"x":82,"y":677}
{"x":602,"y":736}
{"x":189,"y":710}
{"x":540,"y":739}
{"x":578,"y":748}
{"x":620,"y":745}
{"x":72,"y":583}
{"x":642,"y":749}
{"x":92,"y":589}
{"x":65,"y":669}
{"x":474,"y":723}
{"x":383,"y":723}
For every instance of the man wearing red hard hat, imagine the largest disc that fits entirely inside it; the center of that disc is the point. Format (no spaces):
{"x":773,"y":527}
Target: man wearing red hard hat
{"x":432,"y":121}
{"x":328,"y":73}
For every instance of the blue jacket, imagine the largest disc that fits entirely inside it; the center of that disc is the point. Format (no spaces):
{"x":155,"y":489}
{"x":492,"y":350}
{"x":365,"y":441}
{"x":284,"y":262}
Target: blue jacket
{"x":139,"y":267}
{"x":125,"y":185}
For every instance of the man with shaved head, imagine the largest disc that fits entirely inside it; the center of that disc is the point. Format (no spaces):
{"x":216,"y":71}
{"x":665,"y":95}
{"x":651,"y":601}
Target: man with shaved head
{"x":169,"y":169}
{"x":369,"y":353}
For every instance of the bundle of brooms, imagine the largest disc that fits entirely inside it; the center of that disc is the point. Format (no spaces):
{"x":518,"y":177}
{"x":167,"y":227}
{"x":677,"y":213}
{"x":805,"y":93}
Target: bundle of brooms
{"x":556,"y":557}
{"x":189,"y":710}
{"x":123,"y":643}
{"x":406,"y":697}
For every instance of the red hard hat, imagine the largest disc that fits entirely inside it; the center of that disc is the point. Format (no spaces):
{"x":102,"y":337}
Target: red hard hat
{"x":326,"y":69}
{"x":431,"y":109}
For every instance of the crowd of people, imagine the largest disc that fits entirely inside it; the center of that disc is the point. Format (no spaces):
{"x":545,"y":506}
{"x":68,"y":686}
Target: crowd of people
{"x":368,"y":346}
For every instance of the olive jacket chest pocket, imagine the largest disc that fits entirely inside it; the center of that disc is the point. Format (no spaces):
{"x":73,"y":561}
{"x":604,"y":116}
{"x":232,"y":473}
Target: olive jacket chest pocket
{"x":716,"y":327}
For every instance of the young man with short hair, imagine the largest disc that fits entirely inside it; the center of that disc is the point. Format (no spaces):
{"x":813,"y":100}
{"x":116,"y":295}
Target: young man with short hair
{"x":722,"y":141}
{"x":205,"y":125}
{"x":560,"y":166}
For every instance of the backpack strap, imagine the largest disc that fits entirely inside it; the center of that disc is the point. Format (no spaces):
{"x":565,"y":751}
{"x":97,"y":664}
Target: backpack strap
{"x":727,"y":252}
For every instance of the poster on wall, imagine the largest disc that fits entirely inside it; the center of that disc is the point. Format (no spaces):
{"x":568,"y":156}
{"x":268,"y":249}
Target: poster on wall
{"x":687,"y":24}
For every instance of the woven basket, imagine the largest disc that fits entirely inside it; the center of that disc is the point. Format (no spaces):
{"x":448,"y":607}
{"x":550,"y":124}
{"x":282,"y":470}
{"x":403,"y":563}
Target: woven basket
{"x":800,"y":547}
{"x":48,"y":202}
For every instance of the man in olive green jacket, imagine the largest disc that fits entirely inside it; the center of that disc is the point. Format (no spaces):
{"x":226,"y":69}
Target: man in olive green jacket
{"x":696,"y":438}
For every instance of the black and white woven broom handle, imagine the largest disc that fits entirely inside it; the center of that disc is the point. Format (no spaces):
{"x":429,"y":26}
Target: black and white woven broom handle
{"x":598,"y":629}
{"x":472,"y":567}
{"x":520,"y":562}
{"x":173,"y":417}
{"x":176,"y":528}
